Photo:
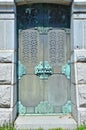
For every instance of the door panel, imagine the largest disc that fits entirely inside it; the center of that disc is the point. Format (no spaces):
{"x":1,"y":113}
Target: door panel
{"x":53,"y":89}
{"x":57,"y":49}
{"x":31,"y":49}
{"x":32,"y":92}
{"x":57,"y":90}
{"x":57,"y":45}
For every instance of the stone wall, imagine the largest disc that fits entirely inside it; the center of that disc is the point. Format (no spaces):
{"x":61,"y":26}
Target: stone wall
{"x":78,"y":59}
{"x":8,"y":82}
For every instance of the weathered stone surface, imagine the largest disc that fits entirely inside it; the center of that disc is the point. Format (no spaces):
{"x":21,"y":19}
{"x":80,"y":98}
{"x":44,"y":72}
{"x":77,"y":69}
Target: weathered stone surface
{"x":78,"y":56}
{"x":45,"y":122}
{"x":13,"y":95}
{"x":5,"y":96}
{"x":6,"y":0}
{"x":79,"y":40}
{"x":78,"y":7}
{"x":14,"y":112}
{"x":81,"y":56}
{"x":82,"y":95}
{"x":74,"y":112}
{"x":80,"y":16}
{"x":74,"y":94}
{"x":5,"y":73}
{"x":8,"y":96}
{"x":8,"y":57}
{"x":8,"y":115}
{"x":7,"y":41}
{"x":14,"y":73}
{"x":78,"y":28}
{"x":83,"y":117}
{"x":72,"y":56}
{"x":5,"y":57}
{"x":81,"y":73}
{"x":73,"y":73}
{"x":79,"y":2}
{"x":7,"y":16}
{"x":4,"y":117}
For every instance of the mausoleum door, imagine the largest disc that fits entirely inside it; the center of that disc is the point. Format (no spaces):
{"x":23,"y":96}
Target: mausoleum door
{"x":44,"y":66}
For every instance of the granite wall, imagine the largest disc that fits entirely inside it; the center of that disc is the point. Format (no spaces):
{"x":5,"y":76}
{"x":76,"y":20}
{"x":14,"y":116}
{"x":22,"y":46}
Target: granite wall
{"x":78,"y":60}
{"x":8,"y":51}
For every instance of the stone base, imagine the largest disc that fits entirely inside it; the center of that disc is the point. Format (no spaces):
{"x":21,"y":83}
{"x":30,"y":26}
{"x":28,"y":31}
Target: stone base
{"x":33,"y":122}
{"x":8,"y":115}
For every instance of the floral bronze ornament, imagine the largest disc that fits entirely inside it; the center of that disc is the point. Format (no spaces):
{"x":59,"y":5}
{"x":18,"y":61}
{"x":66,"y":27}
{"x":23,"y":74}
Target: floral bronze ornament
{"x":43,"y":70}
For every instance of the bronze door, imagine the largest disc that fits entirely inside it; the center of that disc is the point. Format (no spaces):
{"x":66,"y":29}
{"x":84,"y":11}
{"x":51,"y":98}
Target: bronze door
{"x":44,"y":67}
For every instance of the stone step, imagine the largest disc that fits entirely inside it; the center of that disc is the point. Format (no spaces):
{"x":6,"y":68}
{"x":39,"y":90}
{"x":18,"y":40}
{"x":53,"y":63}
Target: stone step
{"x":30,"y":122}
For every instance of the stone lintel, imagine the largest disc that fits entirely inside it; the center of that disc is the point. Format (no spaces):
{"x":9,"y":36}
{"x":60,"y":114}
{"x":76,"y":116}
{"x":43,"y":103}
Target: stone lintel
{"x":65,"y":2}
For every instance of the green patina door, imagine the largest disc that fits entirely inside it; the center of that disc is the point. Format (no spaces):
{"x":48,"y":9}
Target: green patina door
{"x":44,"y":59}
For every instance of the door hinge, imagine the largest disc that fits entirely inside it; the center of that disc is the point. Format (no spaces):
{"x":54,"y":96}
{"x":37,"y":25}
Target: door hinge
{"x":44,"y":108}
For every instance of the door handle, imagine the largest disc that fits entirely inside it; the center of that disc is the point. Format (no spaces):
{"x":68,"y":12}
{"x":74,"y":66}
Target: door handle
{"x":43,"y":70}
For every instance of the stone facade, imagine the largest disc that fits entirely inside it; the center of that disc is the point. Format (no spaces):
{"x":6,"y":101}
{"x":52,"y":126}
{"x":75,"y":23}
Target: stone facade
{"x":8,"y":81}
{"x":8,"y":60}
{"x":78,"y":59}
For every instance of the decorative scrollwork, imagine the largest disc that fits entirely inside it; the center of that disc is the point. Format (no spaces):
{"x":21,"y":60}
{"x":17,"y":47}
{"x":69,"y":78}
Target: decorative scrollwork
{"x":46,"y":15}
{"x":21,"y":70}
{"x":56,"y":45}
{"x":44,"y":108}
{"x":66,"y":109}
{"x":66,"y":70}
{"x":21,"y":108}
{"x":43,"y":70}
{"x":29,"y":43}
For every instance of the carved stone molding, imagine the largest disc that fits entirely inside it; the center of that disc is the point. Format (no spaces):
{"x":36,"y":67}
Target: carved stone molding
{"x":79,"y":2}
{"x":6,"y":2}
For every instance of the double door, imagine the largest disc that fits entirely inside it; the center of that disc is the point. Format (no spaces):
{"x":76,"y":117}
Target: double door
{"x":44,"y":68}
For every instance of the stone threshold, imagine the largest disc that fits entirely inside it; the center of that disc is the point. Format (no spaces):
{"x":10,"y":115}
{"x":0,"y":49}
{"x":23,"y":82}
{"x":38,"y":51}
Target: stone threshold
{"x":28,"y":122}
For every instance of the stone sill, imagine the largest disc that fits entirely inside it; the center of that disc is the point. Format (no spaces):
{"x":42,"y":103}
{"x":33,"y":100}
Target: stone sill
{"x":45,"y":122}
